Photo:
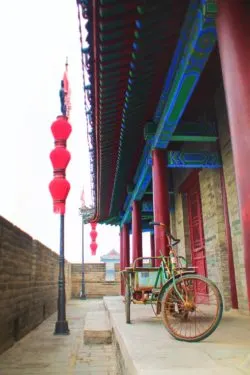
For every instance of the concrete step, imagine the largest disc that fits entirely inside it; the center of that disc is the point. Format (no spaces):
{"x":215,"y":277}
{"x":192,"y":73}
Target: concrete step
{"x":97,"y":328}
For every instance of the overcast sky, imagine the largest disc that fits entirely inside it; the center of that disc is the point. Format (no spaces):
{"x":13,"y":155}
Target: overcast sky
{"x":35,"y":38}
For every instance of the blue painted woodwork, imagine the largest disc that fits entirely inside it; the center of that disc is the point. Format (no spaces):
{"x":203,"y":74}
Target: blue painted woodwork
{"x":196,"y":42}
{"x":195,"y":55}
{"x":147,"y":206}
{"x":202,"y":159}
{"x":176,"y":57}
{"x":178,"y":159}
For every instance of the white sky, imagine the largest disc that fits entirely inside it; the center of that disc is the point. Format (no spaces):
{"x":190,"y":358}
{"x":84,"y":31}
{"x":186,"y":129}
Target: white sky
{"x":35,"y":38}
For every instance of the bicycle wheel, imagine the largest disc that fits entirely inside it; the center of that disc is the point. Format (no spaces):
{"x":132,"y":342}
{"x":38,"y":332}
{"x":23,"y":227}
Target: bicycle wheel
{"x":197,"y":314}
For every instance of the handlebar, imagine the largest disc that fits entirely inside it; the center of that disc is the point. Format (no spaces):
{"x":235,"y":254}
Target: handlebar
{"x":176,"y":240}
{"x":163,"y":258}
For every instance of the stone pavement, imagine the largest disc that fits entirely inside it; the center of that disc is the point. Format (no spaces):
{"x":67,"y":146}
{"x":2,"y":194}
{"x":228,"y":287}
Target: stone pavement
{"x":40,"y":352}
{"x":147,"y":348}
{"x":143,"y":347}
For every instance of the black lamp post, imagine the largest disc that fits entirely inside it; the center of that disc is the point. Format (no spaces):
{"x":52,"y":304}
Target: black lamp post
{"x":61,"y":327}
{"x":59,"y":188}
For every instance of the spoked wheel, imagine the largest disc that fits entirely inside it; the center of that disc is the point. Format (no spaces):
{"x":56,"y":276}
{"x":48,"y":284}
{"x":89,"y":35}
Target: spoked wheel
{"x":127,"y":300}
{"x":197,"y":314}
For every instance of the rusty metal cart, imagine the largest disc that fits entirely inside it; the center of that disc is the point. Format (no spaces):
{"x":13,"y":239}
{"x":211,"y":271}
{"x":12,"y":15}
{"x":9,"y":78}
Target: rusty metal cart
{"x":190,"y":305}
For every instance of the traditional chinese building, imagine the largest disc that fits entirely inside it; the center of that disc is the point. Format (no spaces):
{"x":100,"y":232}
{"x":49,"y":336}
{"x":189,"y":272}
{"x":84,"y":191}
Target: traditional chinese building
{"x":110,"y":259}
{"x":168,"y":107}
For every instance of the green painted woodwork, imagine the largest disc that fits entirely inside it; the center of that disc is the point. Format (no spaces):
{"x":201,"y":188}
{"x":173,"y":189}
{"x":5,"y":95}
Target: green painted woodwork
{"x":140,"y":10}
{"x":187,"y":84}
{"x":110,"y":57}
{"x":108,"y":26}
{"x":115,"y":10}
{"x":210,"y":8}
{"x":149,"y":130}
{"x":147,"y":217}
{"x":110,"y":75}
{"x":105,"y":37}
{"x":108,"y":2}
{"x":196,"y":42}
{"x":130,"y":189}
{"x":114,"y":45}
{"x":109,"y":47}
{"x":202,"y":159}
{"x":110,"y":66}
{"x":186,"y":132}
{"x":192,"y":138}
{"x":196,"y":128}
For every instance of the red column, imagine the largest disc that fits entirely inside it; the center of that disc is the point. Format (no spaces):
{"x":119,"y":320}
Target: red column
{"x":152,"y":247}
{"x":233,"y":29}
{"x":122,"y":262}
{"x":136,"y":232}
{"x":160,"y":201}
{"x":125,"y":239}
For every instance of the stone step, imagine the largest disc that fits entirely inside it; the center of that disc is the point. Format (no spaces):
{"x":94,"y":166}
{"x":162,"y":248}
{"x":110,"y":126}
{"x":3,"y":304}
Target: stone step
{"x":97,"y":328}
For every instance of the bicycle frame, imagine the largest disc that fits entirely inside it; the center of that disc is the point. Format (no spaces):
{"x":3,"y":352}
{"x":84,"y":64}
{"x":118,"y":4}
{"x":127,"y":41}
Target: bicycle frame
{"x":169,"y":287}
{"x":161,"y":274}
{"x":165,"y":273}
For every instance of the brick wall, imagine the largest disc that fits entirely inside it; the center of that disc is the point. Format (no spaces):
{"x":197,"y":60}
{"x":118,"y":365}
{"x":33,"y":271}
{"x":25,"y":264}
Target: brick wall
{"x":213,"y":216}
{"x":182,"y":226}
{"x":214,"y":227}
{"x":214,"y":232}
{"x":232,"y":198}
{"x":28,"y":283}
{"x":95,"y":284}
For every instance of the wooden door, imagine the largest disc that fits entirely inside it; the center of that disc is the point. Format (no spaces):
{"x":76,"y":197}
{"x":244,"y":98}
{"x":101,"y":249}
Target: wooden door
{"x":196,"y":231}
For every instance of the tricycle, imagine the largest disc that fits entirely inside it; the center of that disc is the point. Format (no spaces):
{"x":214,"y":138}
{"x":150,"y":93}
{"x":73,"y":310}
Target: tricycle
{"x":190,"y":305}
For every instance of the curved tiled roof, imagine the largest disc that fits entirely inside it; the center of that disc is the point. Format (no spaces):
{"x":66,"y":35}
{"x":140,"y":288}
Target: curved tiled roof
{"x":131,"y":44}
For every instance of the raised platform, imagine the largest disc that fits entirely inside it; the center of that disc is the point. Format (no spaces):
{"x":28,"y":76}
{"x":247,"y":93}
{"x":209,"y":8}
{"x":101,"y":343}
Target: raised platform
{"x":97,"y":329}
{"x":146,"y":347}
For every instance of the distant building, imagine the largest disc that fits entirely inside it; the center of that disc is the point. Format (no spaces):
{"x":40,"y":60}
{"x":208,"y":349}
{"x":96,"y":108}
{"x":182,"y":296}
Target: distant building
{"x":110,"y":259}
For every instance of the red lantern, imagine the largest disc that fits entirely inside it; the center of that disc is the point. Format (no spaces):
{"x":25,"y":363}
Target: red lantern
{"x":93,"y":225}
{"x":61,"y":128}
{"x":93,"y":247}
{"x":93,"y":235}
{"x":59,"y":189}
{"x":60,"y":158}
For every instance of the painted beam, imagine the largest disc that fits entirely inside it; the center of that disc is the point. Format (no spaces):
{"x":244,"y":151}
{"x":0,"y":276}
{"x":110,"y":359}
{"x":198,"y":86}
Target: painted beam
{"x":192,"y":138}
{"x":203,"y":159}
{"x":186,"y":132}
{"x":178,"y":159}
{"x":195,"y":55}
{"x":198,"y":36}
{"x":147,"y":206}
